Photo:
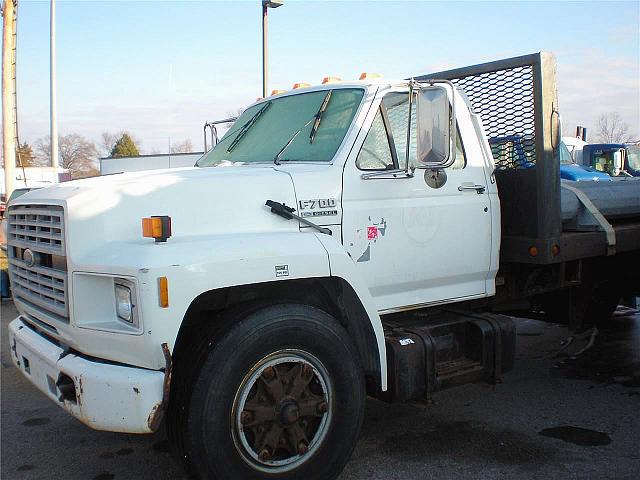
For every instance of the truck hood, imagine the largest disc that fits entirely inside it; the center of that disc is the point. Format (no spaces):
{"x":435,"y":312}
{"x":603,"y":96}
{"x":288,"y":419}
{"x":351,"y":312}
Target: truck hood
{"x":200,"y":201}
{"x":582,"y":174}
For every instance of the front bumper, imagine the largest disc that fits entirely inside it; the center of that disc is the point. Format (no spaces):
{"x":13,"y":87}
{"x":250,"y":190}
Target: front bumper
{"x":107,"y":396}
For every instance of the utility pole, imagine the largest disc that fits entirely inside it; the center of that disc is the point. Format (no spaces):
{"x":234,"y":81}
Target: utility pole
{"x":266,"y":5}
{"x":9,"y":133}
{"x":52,"y":78}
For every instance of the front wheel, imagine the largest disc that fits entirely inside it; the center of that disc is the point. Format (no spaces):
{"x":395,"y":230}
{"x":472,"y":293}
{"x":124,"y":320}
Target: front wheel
{"x":280,"y":396}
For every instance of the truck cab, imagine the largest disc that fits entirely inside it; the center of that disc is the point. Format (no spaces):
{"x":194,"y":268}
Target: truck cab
{"x":389,"y":218}
{"x":614,"y":159}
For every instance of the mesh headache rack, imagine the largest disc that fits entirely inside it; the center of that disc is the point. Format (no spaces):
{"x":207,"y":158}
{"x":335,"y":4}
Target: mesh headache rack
{"x":517,"y":101}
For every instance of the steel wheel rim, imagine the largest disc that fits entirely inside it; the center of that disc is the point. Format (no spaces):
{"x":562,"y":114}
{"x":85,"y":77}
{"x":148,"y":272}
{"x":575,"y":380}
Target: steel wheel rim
{"x":309,"y":411}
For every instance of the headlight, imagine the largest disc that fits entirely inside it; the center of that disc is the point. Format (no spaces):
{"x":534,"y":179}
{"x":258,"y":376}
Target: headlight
{"x":107,"y":303}
{"x":124,"y":304}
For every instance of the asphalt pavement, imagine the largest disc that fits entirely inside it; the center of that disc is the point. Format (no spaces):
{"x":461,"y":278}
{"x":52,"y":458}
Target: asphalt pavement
{"x":556,"y":416}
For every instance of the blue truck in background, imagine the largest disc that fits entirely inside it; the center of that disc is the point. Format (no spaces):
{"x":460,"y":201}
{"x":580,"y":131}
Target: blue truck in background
{"x":513,"y":149}
{"x":615,"y":159}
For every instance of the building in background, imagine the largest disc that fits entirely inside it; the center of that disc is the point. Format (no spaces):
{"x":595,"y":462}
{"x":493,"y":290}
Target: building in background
{"x":110,"y":165}
{"x":36,"y":177}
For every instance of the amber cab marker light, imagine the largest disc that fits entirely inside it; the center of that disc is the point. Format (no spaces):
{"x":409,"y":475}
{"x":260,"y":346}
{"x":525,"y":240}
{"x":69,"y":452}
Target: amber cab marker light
{"x":533,"y":251}
{"x":277,"y":92}
{"x":163,"y":291}
{"x":301,"y":85}
{"x":326,"y":80}
{"x":157,"y":227}
{"x":369,"y":75}
{"x":555,"y":249}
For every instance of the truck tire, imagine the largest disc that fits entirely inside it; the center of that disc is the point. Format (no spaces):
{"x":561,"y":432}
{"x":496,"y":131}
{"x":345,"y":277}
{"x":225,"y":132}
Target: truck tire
{"x":280,"y":395}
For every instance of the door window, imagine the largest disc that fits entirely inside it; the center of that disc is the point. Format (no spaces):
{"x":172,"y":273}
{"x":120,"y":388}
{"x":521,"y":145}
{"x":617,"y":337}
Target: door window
{"x":375,"y":153}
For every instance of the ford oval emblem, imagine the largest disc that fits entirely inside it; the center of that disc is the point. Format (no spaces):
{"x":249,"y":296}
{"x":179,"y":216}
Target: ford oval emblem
{"x":28,"y":257}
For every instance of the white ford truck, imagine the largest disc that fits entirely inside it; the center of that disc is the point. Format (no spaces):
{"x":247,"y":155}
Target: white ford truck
{"x":341,"y":240}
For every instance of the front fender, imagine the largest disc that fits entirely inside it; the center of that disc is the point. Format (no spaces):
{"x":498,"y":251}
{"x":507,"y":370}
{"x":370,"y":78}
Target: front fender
{"x":342,"y":266}
{"x":192,"y":265}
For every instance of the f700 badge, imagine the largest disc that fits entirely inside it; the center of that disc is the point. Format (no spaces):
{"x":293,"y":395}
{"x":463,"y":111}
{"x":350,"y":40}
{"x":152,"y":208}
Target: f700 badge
{"x":318,"y":207}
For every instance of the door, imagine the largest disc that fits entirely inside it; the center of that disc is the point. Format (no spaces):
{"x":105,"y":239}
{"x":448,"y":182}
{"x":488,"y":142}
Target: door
{"x":421,"y":239}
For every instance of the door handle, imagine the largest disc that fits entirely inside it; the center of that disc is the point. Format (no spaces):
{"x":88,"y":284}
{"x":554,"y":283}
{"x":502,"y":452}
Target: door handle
{"x":465,"y":187}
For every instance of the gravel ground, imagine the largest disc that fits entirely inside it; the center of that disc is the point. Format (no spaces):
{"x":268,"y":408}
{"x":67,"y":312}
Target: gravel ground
{"x":553,"y":417}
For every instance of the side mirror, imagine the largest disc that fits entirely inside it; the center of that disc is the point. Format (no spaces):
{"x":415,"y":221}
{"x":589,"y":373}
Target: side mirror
{"x":435,"y":120}
{"x":618,"y":162}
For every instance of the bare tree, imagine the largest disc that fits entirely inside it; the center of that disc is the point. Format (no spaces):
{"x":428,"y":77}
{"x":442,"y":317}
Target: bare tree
{"x":43,"y":149}
{"x":77,"y":154}
{"x":182,"y":147}
{"x":611,"y":128}
{"x":107,"y":142}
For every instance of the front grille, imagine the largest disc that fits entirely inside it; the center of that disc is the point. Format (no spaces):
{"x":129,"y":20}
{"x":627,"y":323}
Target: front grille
{"x":38,"y":227}
{"x":37,"y":263}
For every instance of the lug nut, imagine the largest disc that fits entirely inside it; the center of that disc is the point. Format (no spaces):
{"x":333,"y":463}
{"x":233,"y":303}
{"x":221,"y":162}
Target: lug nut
{"x":245,"y":417}
{"x":264,"y":455}
{"x":302,"y":448}
{"x":322,"y":407}
{"x":269,"y":373}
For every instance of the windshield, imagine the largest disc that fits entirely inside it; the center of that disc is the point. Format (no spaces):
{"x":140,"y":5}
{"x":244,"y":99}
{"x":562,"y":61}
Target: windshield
{"x":633,"y":157}
{"x":607,"y":161}
{"x":281,"y":129}
{"x":565,"y":154}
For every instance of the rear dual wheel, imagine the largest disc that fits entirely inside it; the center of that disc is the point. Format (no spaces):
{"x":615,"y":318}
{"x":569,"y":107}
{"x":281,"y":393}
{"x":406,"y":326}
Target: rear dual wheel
{"x":281,"y":395}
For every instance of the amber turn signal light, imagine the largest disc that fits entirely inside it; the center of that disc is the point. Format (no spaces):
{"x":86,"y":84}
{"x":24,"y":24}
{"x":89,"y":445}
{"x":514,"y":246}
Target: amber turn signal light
{"x":163,"y":292}
{"x":158,"y":228}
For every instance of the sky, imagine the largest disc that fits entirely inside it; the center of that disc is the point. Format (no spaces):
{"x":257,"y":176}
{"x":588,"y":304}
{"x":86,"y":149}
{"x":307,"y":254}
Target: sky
{"x":161,"y":69}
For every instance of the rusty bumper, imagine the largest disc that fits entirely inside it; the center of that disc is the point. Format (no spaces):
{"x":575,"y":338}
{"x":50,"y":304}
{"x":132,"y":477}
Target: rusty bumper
{"x":102,"y":395}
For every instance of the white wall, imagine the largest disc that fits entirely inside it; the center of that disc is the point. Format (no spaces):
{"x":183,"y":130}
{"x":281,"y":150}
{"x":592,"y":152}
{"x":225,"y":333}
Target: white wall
{"x":147,"y":162}
{"x":36,"y":177}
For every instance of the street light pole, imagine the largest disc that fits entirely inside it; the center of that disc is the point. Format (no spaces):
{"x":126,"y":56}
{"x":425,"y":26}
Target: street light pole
{"x":264,"y":49}
{"x":266,"y":4}
{"x":52,"y":86}
{"x":8,"y":95}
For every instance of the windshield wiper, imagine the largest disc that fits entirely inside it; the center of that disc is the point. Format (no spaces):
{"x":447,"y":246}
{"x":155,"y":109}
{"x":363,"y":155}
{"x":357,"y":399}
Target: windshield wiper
{"x":245,"y":128}
{"x":316,"y":119}
{"x":276,"y":159}
{"x":318,"y":116}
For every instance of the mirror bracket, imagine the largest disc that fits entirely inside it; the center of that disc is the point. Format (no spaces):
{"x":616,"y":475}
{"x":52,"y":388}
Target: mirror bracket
{"x":389,"y":174}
